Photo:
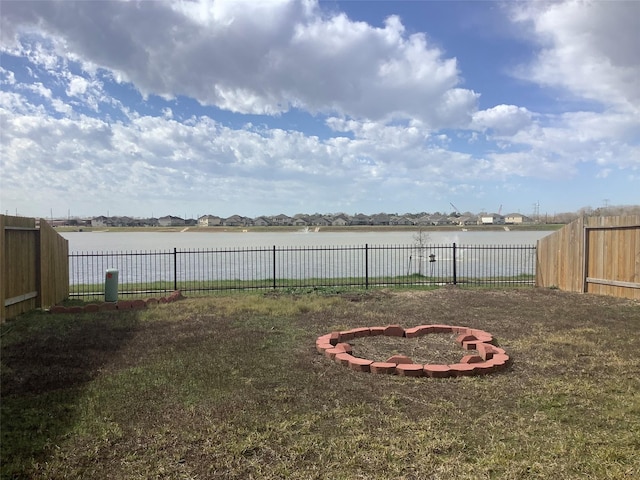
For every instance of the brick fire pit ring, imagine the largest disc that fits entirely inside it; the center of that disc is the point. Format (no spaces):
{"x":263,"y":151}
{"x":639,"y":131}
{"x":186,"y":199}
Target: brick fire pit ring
{"x":490,"y":358}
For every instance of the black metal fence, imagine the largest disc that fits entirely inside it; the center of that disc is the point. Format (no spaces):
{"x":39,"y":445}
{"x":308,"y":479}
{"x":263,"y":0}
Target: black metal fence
{"x":148,"y":273}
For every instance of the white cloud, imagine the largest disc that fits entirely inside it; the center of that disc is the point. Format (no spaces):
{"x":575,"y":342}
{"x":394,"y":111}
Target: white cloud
{"x":7,"y":77}
{"x":502,"y":119}
{"x":39,"y":89}
{"x":164,"y":160}
{"x":400,"y":128}
{"x":554,"y":147}
{"x":588,"y":47}
{"x":254,"y":57}
{"x":532,"y":164}
{"x":77,"y":86}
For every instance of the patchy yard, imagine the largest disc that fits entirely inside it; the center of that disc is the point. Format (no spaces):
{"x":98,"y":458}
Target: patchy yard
{"x":231,"y":387}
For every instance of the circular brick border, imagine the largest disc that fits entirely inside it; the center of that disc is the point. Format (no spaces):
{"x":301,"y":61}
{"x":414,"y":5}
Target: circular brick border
{"x":490,"y":358}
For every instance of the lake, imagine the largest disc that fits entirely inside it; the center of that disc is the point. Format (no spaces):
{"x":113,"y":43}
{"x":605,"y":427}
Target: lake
{"x":210,"y":257}
{"x":142,"y":241}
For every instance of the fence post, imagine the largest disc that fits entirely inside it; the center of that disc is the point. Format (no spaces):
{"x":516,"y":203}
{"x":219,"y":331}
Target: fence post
{"x":175,"y":269}
{"x":366,"y":265}
{"x":455,"y":273}
{"x":274,"y":267}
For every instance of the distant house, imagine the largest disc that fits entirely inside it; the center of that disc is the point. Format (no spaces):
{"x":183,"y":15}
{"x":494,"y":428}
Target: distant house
{"x":125,"y":222}
{"x":400,"y":221}
{"x":101,"y":221}
{"x":261,"y":222}
{"x":339,"y":221}
{"x":360,"y":219}
{"x":209,"y":221}
{"x":319,"y":221}
{"x":170,"y":221}
{"x":306,"y":218}
{"x":282,"y":220}
{"x":467,"y":220}
{"x":423,"y":220}
{"x":237,"y":221}
{"x":440,"y":220}
{"x":117,"y":222}
{"x":516,"y":219}
{"x":380,"y":219}
{"x":491,"y":219}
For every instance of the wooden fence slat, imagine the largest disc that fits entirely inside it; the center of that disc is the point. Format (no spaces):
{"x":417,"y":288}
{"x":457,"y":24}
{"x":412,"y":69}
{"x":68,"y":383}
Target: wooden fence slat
{"x":602,"y":248}
{"x":54,"y":266}
{"x":34,"y":266}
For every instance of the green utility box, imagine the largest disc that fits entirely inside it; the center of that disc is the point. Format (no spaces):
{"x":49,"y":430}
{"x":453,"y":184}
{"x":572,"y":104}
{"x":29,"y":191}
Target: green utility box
{"x":111,"y":285}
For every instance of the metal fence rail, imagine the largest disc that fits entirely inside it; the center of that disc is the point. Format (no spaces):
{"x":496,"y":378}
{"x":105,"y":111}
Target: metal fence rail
{"x":198,"y":270}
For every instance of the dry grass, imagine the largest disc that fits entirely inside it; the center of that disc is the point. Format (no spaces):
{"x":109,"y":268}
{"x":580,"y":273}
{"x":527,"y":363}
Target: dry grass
{"x":231,"y":387}
{"x":433,"y":348}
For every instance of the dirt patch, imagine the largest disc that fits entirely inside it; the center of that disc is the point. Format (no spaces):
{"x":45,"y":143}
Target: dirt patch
{"x":432,"y":348}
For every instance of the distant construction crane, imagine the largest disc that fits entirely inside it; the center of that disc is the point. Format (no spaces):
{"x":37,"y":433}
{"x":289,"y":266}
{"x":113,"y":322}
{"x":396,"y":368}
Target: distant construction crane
{"x":455,"y":209}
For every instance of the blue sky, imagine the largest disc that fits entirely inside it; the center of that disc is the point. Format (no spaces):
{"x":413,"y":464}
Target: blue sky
{"x":260,"y":108}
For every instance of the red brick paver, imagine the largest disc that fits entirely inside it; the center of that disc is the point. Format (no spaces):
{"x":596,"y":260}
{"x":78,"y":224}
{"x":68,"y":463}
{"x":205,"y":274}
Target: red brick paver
{"x":437,"y":371}
{"x":321,"y":347}
{"x":462,"y":369}
{"x":394,"y":331}
{"x":343,"y":358}
{"x":124,"y":305}
{"x":359,"y":332}
{"x":332,"y":352}
{"x":345,"y":347}
{"x":472,"y":359}
{"x":375,"y":331}
{"x":398,"y":359}
{"x":383,"y":367}
{"x":359,"y":364}
{"x":138,"y":304}
{"x":410,"y":370}
{"x":419,"y":331}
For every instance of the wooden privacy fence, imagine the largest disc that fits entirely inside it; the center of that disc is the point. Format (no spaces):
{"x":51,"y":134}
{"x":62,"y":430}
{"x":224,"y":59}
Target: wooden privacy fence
{"x":34,"y":266}
{"x":598,"y":255}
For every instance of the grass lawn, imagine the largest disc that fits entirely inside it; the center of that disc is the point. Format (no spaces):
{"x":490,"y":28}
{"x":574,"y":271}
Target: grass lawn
{"x":230,"y":386}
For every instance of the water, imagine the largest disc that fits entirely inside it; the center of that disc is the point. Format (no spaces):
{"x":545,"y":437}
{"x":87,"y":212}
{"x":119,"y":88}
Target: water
{"x":142,"y":241}
{"x":252,"y":256}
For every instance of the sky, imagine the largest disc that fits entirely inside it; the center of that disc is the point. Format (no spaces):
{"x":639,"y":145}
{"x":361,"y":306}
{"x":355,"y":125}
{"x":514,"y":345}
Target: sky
{"x":199,"y":107}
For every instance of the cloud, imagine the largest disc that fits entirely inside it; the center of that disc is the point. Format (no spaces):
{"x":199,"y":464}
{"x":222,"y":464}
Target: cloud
{"x":589,"y":48}
{"x":531,"y":164}
{"x":161,"y":159}
{"x":255,"y":57}
{"x":7,"y":77}
{"x":395,"y":126}
{"x":502,"y":119}
{"x":77,"y":86}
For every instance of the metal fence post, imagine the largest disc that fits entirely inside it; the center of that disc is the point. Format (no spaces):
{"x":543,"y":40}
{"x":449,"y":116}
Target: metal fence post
{"x":366,"y":265}
{"x":455,"y":275}
{"x":175,"y":269}
{"x":274,"y":267}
